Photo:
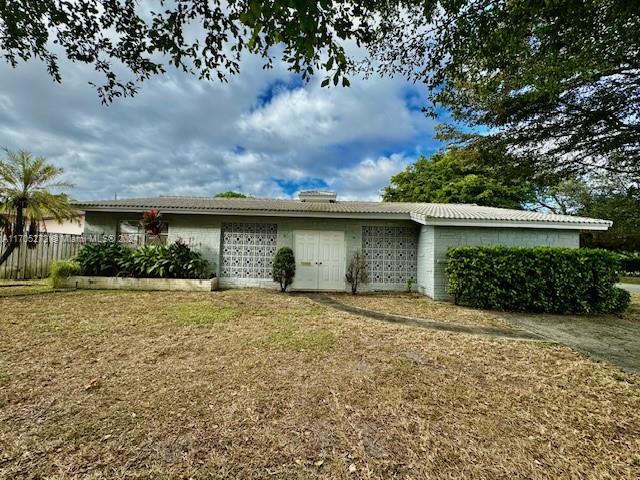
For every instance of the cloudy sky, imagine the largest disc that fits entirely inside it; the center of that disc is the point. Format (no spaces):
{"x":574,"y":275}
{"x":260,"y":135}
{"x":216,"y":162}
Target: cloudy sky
{"x":264,"y":133}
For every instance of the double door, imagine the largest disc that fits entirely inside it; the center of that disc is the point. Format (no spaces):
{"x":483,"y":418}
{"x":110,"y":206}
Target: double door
{"x":320,"y":260}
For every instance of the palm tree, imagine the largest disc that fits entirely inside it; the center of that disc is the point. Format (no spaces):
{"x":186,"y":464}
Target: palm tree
{"x":25,"y":199}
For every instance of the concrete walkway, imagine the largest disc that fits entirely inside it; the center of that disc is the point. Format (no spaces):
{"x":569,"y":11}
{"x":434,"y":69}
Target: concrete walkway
{"x":512,"y":334}
{"x":612,"y":339}
{"x":630,"y":287}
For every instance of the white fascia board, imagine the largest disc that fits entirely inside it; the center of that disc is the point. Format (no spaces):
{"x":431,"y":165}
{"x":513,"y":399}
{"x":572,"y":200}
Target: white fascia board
{"x":460,"y":222}
{"x":254,"y":213}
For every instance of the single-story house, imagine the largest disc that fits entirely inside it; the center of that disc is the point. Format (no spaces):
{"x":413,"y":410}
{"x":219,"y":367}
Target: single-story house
{"x":404,"y":244}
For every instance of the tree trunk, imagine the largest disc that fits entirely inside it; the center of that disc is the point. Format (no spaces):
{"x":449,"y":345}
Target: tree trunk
{"x":11,"y":246}
{"x":17,"y":233}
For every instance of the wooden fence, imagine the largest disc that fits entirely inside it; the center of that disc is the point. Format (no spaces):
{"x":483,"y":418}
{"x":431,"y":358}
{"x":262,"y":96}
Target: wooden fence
{"x":26,"y":263}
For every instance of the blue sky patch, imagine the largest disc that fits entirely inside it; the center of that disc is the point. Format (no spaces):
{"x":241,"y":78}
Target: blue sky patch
{"x":292,"y":186}
{"x":273,"y":89}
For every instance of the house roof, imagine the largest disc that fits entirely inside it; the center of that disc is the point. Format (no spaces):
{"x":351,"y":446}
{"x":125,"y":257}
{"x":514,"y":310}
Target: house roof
{"x":424,"y":213}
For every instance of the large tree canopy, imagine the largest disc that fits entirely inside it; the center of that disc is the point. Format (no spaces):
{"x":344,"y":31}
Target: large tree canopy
{"x":230,"y":194}
{"x":613,"y":200}
{"x":462,"y":175}
{"x":204,"y":37}
{"x":557,"y":78}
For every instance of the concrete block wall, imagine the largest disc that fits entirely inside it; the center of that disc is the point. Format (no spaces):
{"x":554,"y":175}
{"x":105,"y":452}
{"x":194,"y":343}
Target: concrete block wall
{"x":448,"y":237}
{"x":201,"y":233}
{"x":97,"y":224}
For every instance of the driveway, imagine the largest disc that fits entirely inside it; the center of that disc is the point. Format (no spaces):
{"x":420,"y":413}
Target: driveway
{"x":630,"y":287}
{"x":613,"y":339}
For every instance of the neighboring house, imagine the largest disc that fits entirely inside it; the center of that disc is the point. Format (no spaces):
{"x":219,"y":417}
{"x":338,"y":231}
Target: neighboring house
{"x":74,"y":226}
{"x":401,"y":242}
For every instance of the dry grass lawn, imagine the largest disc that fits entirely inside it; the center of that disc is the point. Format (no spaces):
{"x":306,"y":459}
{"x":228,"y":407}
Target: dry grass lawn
{"x":256,"y":384}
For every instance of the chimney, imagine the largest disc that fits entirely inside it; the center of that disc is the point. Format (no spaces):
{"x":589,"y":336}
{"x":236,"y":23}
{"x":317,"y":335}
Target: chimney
{"x":317,"y":196}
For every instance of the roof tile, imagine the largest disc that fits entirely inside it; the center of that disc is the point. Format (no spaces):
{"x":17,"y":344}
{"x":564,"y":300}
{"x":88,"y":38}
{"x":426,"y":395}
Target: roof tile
{"x":427,"y":210}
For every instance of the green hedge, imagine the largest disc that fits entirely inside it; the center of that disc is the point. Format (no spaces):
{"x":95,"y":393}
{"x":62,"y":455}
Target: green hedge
{"x":540,"y":279}
{"x":630,"y":262}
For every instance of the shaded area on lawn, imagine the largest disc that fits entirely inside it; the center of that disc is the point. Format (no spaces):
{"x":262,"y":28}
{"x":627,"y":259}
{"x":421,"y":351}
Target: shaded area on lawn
{"x":118,"y":384}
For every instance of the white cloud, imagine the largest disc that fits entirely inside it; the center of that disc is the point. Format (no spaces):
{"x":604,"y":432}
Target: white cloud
{"x":365,"y":180}
{"x":368,"y":111}
{"x":182,"y":136}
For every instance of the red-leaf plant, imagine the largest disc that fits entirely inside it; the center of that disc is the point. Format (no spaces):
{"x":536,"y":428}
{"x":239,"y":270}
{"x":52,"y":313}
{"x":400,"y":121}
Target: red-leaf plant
{"x":151,"y":222}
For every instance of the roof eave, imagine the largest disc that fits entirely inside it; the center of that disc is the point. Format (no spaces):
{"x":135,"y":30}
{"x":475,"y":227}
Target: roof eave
{"x":253,"y":213}
{"x":496,"y":223}
{"x":601,"y":225}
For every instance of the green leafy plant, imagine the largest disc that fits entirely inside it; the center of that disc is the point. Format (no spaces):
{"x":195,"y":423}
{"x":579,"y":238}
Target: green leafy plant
{"x":539,"y":279}
{"x":165,"y":261}
{"x":150,"y":261}
{"x":284,"y":268}
{"x":61,"y":269}
{"x":103,"y":259}
{"x":410,"y":283}
{"x":357,"y":272}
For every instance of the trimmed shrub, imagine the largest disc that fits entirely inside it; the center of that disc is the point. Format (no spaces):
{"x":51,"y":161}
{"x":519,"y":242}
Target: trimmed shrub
{"x":284,"y":268}
{"x":618,"y":301}
{"x":102,"y":259}
{"x":151,"y":261}
{"x":61,"y":269}
{"x":539,"y":279}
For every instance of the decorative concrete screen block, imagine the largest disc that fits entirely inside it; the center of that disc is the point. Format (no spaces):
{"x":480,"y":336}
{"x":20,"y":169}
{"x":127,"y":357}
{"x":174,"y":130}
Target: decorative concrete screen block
{"x":391,"y":253}
{"x":248,"y":249}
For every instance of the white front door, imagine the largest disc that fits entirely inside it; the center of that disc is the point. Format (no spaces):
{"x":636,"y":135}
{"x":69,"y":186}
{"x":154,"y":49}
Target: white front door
{"x":305,"y":249}
{"x":320,"y":260}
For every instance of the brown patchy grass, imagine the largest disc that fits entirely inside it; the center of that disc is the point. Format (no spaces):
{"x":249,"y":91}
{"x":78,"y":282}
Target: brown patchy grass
{"x":633,"y":312}
{"x":9,"y":288}
{"x":115,"y":385}
{"x":634,"y":280}
{"x":419,"y":306}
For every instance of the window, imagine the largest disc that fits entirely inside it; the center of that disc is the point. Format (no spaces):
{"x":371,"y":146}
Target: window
{"x":132,"y":232}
